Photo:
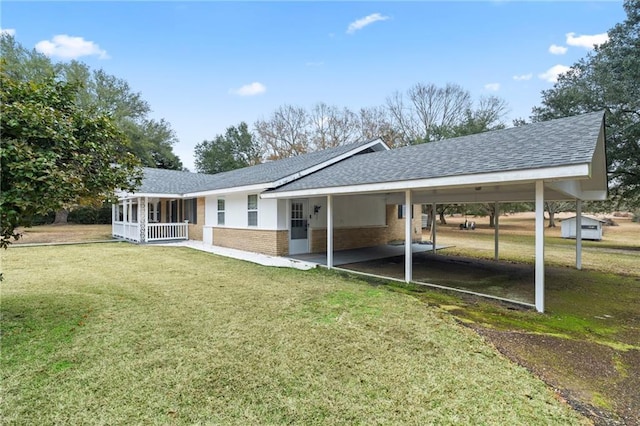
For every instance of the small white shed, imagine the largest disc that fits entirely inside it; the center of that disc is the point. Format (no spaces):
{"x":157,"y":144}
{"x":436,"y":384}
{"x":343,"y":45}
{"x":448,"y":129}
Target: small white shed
{"x":591,"y":228}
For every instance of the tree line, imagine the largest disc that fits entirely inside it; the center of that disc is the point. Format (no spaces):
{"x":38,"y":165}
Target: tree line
{"x":423,"y":113}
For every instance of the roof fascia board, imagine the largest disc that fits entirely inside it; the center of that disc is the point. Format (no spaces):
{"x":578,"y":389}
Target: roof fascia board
{"x":287,"y":179}
{"x":514,"y":176}
{"x":232,"y":190}
{"x":127,"y":195}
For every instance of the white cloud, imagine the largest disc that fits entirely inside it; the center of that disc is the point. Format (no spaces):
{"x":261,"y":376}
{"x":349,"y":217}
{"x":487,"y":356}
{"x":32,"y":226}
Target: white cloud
{"x":523,"y":77}
{"x":67,"y":47}
{"x":314,"y":64}
{"x":492,"y":87}
{"x":7,"y":31}
{"x":359,"y":24}
{"x":551,"y":75}
{"x":586,"y":41}
{"x":557,"y":50}
{"x":250,"y":89}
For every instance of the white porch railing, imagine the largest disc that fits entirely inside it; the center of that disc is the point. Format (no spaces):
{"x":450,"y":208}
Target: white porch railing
{"x":154,"y":231}
{"x":167,"y":231}
{"x":126,"y":230}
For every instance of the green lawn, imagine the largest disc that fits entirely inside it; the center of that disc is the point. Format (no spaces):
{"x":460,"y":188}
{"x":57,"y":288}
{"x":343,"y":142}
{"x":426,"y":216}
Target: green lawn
{"x":121,"y":334}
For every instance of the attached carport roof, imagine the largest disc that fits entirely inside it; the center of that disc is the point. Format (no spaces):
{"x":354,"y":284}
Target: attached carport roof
{"x":567,"y":153}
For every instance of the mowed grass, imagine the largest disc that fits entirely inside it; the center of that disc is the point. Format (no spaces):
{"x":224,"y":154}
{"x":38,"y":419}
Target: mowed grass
{"x":121,"y":334}
{"x":618,"y":252}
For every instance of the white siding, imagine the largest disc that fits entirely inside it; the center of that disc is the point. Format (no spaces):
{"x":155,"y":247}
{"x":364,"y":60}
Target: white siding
{"x":569,"y":228}
{"x":236,"y":211}
{"x":349,"y":211}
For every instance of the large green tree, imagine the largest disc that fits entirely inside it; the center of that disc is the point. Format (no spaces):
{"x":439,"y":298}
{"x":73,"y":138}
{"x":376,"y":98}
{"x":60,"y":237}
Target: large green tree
{"x":151,"y":140}
{"x":233,"y":150}
{"x":608,"y":79}
{"x":54,"y":153}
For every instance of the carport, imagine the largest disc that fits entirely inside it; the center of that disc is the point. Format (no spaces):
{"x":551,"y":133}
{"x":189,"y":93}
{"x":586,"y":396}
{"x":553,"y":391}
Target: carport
{"x":561,"y":159}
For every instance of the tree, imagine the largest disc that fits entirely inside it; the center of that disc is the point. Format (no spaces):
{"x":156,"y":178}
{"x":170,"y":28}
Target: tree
{"x":233,"y":150}
{"x":553,"y":207}
{"x":96,"y":91}
{"x":608,"y":79}
{"x":427,"y":113}
{"x":285,"y":133}
{"x":152,"y":142}
{"x":331,"y":126}
{"x":375,"y":122}
{"x":54,"y":153}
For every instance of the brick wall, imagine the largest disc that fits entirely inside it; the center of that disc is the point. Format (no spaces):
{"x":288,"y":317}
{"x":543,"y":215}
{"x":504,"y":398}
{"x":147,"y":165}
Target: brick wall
{"x":349,"y":238}
{"x":195,"y":230}
{"x":395,"y":226}
{"x":274,"y":243}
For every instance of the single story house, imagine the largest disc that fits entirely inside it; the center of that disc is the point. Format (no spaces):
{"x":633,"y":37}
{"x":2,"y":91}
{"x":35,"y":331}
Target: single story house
{"x":360,"y":195}
{"x":591,"y":228}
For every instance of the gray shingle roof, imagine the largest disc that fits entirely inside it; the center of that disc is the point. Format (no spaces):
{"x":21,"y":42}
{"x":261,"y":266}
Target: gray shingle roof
{"x":561,"y":142}
{"x":159,"y":181}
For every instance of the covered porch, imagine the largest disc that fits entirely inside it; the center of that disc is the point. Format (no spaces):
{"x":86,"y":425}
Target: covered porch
{"x":150,"y":219}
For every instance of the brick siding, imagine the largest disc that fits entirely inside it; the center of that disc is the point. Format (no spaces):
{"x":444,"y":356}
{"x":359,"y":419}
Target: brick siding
{"x":195,"y":230}
{"x":274,"y":243}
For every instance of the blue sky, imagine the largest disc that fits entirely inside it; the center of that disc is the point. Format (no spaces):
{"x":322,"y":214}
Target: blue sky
{"x":204,"y":66}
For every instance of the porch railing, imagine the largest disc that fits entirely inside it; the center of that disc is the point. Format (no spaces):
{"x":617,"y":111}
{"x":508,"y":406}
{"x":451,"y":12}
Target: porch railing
{"x":126,"y":230}
{"x":167,"y":231}
{"x":154,"y":231}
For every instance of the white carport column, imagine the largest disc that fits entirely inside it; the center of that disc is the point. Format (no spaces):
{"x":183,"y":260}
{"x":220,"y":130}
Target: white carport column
{"x":578,"y":234}
{"x":539,"y":246}
{"x":408,"y":258}
{"x":496,"y":230}
{"x":433,"y":227}
{"x":329,"y":231}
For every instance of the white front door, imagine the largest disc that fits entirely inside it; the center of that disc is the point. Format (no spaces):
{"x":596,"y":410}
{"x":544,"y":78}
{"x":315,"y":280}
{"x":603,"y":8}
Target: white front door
{"x":299,"y":229}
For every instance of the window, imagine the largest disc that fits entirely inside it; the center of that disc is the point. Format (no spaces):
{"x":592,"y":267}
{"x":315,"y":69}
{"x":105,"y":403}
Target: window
{"x":252,"y":209}
{"x":220,"y":211}
{"x":191,"y":210}
{"x":401,"y":212}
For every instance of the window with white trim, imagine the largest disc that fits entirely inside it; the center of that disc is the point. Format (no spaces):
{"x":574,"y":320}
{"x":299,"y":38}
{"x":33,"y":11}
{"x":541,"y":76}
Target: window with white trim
{"x":402,"y":213}
{"x":252,"y":210}
{"x":221,"y":211}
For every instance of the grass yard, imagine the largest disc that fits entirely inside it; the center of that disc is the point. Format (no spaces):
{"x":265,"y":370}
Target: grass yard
{"x":68,"y":233}
{"x":120,"y":334}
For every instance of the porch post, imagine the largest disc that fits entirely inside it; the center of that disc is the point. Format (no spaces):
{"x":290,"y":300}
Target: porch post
{"x":113,"y":217}
{"x":143,"y":218}
{"x":496,"y":230}
{"x":539,"y":280}
{"x":578,"y":234}
{"x":433,"y":228}
{"x":408,"y":258}
{"x":125,"y":210}
{"x":329,"y":231}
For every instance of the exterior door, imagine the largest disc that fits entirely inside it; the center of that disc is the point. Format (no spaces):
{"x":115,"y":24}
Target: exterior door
{"x":299,"y":232}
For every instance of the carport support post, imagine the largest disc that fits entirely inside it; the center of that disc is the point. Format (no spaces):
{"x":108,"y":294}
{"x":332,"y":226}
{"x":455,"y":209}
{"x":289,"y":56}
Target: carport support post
{"x":578,"y":234}
{"x":539,"y":280}
{"x":496,"y":229}
{"x":408,"y":258}
{"x":329,"y":231}
{"x":433,"y":226}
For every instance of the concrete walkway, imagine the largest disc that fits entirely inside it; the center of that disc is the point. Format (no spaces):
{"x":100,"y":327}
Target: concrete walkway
{"x":261,"y":259}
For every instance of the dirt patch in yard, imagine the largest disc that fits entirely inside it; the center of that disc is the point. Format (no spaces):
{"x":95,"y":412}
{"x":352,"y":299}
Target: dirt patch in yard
{"x":581,"y":371}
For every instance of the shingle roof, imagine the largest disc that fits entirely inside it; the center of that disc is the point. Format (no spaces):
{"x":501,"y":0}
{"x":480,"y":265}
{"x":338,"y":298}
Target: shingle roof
{"x":561,"y":142}
{"x":159,"y":181}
